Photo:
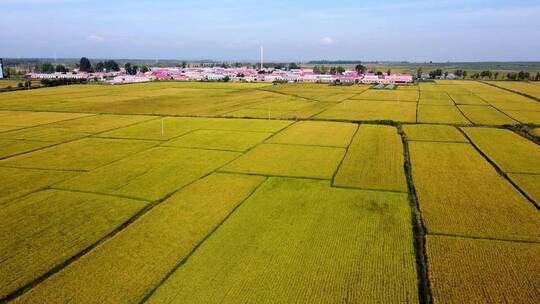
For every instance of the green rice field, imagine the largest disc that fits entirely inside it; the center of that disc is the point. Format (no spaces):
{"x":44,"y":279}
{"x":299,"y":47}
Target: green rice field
{"x":191,"y":192}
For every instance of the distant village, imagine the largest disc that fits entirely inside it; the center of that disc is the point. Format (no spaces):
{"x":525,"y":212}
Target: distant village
{"x":236,"y":74}
{"x":110,"y":72}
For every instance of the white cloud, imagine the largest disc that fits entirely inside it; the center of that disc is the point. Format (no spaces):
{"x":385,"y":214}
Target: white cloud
{"x":95,"y":38}
{"x":326,"y":41}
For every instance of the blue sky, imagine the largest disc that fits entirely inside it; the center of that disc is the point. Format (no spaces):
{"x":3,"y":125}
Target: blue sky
{"x":413,"y":30}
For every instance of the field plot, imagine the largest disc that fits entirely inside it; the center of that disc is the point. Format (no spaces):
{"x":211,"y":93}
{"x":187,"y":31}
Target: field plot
{"x":44,"y":133}
{"x":511,"y":152}
{"x":530,"y":89}
{"x":30,"y":119}
{"x":366,"y":110}
{"x":11,"y":147}
{"x":524,"y":116}
{"x":332,"y":134}
{"x":389,"y":95}
{"x":374,"y":160}
{"x":44,"y":229}
{"x":132,"y":263}
{"x":17,"y":182}
{"x":529,"y":184}
{"x":289,"y":160}
{"x":451,"y":179}
{"x":281,"y":245}
{"x":325,"y":93}
{"x":100,"y":123}
{"x":440,"y":115}
{"x":152,"y":174}
{"x":433,"y":133}
{"x":482,"y":115}
{"x":465,"y":270}
{"x":85,"y":154}
{"x":219,"y":140}
{"x":468,"y":99}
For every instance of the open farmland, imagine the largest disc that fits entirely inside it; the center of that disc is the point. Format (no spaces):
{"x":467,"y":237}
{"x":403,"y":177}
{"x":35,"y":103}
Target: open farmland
{"x":187,"y":192}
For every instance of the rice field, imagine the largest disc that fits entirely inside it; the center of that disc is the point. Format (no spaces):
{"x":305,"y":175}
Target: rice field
{"x":186,"y":192}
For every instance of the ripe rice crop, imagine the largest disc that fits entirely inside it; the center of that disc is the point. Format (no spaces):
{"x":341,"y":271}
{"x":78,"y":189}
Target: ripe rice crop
{"x":530,"y":89}
{"x":440,"y":114}
{"x":389,"y":95}
{"x":511,"y":152}
{"x":374,"y":160}
{"x":127,"y":266}
{"x":435,"y":95}
{"x":468,"y":99}
{"x":485,"y":115}
{"x":333,"y":134}
{"x":44,"y":133}
{"x":17,"y":182}
{"x":84,"y":154}
{"x":29,"y":119}
{"x":433,"y":133}
{"x":463,"y":270}
{"x":452,"y":179}
{"x":288,"y":160}
{"x":367,"y":110}
{"x":44,"y":229}
{"x":11,"y":147}
{"x":319,"y":92}
{"x":100,"y":123}
{"x":524,"y":116}
{"x":219,"y":140}
{"x":281,"y":245}
{"x":151,"y":174}
{"x":528,"y":183}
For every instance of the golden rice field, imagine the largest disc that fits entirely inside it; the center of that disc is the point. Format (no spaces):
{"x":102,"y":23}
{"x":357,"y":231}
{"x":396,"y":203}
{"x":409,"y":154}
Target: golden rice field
{"x":186,"y":192}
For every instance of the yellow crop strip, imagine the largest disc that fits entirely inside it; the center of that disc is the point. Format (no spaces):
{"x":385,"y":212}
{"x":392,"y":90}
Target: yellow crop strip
{"x":465,"y":270}
{"x":302,"y":241}
{"x":133,"y":262}
{"x":374,"y":160}
{"x":44,"y":229}
{"x":433,"y":133}
{"x":451,"y":179}
{"x":333,"y":134}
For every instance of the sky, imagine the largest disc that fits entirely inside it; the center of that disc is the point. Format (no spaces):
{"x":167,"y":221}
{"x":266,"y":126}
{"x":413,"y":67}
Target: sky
{"x":294,"y":30}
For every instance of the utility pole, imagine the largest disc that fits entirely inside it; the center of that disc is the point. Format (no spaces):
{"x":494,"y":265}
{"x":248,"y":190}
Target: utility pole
{"x":262,"y":57}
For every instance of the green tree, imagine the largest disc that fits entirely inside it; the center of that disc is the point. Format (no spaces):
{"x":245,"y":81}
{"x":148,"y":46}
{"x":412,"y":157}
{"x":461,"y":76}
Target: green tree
{"x":47,"y":68}
{"x":111,"y":65}
{"x":464,"y":74}
{"x":85,"y":65}
{"x":340,"y":70}
{"x":100,"y":66}
{"x":128,"y":68}
{"x":144,"y":69}
{"x":496,"y":75}
{"x":226,"y":79}
{"x":360,"y":69}
{"x":61,"y":68}
{"x":419,"y":72}
{"x":293,"y":66}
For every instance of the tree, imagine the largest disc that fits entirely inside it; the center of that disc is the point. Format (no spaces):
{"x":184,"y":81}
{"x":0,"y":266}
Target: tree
{"x":134,"y":69}
{"x":496,"y":75}
{"x":47,"y":68}
{"x":445,"y":74}
{"x":522,"y":75}
{"x":333,"y":70}
{"x":85,"y":65}
{"x":537,"y":78}
{"x":144,"y":69}
{"x":511,"y":76}
{"x":128,"y":68}
{"x":100,"y":66}
{"x":316,"y":69}
{"x":184,"y":64}
{"x":61,"y":69}
{"x":464,"y":74}
{"x":436,"y":73}
{"x":293,"y":66}
{"x":388,"y":72}
{"x":360,"y":69}
{"x":111,"y":65}
{"x":419,"y":72}
{"x":340,"y":70}
{"x":226,"y":79}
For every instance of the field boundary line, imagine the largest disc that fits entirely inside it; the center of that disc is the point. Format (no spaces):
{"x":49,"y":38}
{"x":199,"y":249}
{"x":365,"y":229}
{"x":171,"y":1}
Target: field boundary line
{"x":118,"y":229}
{"x":460,"y":111}
{"x":500,"y":171}
{"x":418,"y":226}
{"x":498,"y":110}
{"x":292,"y":95}
{"x":53,"y":144}
{"x":50,"y":123}
{"x":512,"y":91}
{"x":481,"y":238}
{"x":184,"y":260}
{"x":344,"y":155}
